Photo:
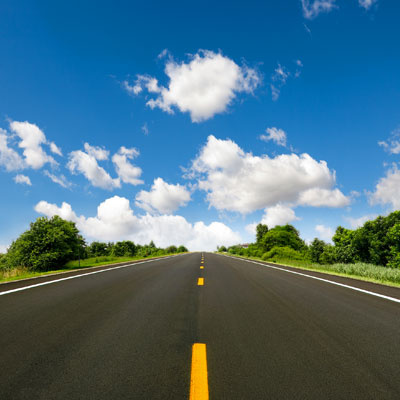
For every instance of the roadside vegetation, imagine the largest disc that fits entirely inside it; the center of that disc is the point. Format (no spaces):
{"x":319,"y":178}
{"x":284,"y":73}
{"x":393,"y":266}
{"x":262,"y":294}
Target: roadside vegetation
{"x":55,"y":245}
{"x":371,"y":252}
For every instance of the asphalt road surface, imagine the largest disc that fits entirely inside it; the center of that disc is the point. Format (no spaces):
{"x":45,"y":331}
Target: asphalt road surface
{"x":127,"y":333}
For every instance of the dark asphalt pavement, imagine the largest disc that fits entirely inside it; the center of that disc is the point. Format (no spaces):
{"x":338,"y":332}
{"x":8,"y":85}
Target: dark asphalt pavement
{"x":127,"y":334}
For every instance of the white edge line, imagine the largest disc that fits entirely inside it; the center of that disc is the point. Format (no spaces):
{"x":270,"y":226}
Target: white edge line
{"x":319,"y":279}
{"x":79,"y":276}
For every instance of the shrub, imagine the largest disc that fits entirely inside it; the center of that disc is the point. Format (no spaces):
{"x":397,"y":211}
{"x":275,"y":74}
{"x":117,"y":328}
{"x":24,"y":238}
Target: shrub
{"x":282,"y":253}
{"x":48,"y":244}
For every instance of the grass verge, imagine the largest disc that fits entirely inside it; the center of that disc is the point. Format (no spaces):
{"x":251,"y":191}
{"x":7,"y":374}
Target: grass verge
{"x":25,"y":273}
{"x":361,"y":271}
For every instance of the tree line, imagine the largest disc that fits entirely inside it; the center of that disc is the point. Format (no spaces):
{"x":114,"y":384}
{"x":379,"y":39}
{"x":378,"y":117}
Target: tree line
{"x":376,"y":242}
{"x":50,"y":243}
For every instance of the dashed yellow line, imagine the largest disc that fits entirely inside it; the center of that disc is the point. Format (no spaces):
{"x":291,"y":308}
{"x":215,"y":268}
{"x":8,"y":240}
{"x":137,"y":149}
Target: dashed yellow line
{"x":200,"y":282}
{"x":201,"y":267}
{"x":199,"y":376}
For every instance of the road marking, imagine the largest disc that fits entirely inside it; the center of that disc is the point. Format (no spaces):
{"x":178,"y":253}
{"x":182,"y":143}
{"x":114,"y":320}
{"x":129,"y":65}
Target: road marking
{"x":200,"y":282}
{"x":201,"y":267}
{"x":79,"y":276}
{"x":382,"y":296}
{"x":199,"y":377}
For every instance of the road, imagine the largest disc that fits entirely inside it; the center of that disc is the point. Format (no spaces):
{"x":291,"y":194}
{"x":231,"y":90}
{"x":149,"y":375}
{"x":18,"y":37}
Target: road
{"x":128,"y":333}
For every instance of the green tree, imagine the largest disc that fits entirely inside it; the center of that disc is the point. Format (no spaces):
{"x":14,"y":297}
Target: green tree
{"x":261,"y":230}
{"x":316,"y":249}
{"x":182,"y":249}
{"x":282,"y":236}
{"x":97,"y":249}
{"x":125,"y":248}
{"x":171,"y":249}
{"x":48,"y":244}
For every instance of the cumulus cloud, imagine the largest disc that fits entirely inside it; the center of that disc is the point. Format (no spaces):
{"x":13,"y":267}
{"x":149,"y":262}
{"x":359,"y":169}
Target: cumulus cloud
{"x":387,"y":190}
{"x":239,"y":181}
{"x":86,"y":164}
{"x":324,"y":232}
{"x":276,"y":135}
{"x":23,"y":179}
{"x":360,"y":221}
{"x":273,"y":216}
{"x":127,"y":172}
{"x":312,"y":8}
{"x":319,"y":197}
{"x":9,"y":158}
{"x":32,"y":139}
{"x":204,"y":86}
{"x":278,"y":215}
{"x":163,"y":197}
{"x":115,"y":220}
{"x":60,"y":180}
{"x":367,"y":4}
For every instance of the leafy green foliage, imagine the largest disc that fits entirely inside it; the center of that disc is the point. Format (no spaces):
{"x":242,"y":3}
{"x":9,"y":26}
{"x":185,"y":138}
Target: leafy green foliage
{"x":124,"y":248}
{"x":48,"y":244}
{"x":261,"y":230}
{"x":282,"y":253}
{"x":282,"y":236}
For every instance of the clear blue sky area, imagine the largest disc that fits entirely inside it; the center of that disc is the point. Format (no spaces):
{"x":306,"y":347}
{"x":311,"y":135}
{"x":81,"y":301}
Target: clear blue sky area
{"x":190,"y":122}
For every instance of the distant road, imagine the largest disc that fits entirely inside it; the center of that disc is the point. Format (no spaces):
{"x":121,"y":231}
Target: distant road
{"x":127,"y":333}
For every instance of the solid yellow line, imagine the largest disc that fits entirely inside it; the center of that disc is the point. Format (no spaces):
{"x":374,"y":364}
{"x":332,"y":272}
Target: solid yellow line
{"x":199,"y":377}
{"x":200,"y":282}
{"x":201,"y":267}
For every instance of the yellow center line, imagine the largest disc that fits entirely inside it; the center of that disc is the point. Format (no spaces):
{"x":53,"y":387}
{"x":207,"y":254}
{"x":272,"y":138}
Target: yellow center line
{"x":199,"y":376}
{"x":200,"y":282}
{"x":201,"y":267}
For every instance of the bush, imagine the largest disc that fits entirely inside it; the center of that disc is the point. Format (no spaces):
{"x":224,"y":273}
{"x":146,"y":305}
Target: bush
{"x":282,"y":253}
{"x":48,"y":244}
{"x":282,"y":236}
{"x":328,"y":256}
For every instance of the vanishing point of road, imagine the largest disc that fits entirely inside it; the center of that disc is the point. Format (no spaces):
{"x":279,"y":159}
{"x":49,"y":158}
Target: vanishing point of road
{"x":198,"y":326}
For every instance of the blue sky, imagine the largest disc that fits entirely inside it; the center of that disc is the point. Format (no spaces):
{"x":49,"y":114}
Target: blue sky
{"x":191,"y":123}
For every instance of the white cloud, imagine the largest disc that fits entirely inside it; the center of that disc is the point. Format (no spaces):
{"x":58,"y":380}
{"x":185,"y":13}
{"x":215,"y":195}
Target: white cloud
{"x":115,"y":220}
{"x":60,"y":180}
{"x":238,"y":181}
{"x":278,"y":215}
{"x":99,"y":153}
{"x":312,"y":8}
{"x":86,"y":164}
{"x":392,"y":145}
{"x":9,"y":158}
{"x":319,"y":197}
{"x":367,"y":4}
{"x":163,"y":197}
{"x":55,"y":149}
{"x":204,"y":86}
{"x":3,"y":248}
{"x":145,"y":129}
{"x":23,"y":179}
{"x":273,"y":216}
{"x":324,"y":232}
{"x":357,"y":222}
{"x":126,"y":171}
{"x":276,"y":135}
{"x":387,"y":190}
{"x":32,"y":139}
{"x":280,"y":76}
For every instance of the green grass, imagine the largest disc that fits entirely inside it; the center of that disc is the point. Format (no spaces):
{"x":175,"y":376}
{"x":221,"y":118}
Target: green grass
{"x":24,"y":273}
{"x":362,"y":271}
